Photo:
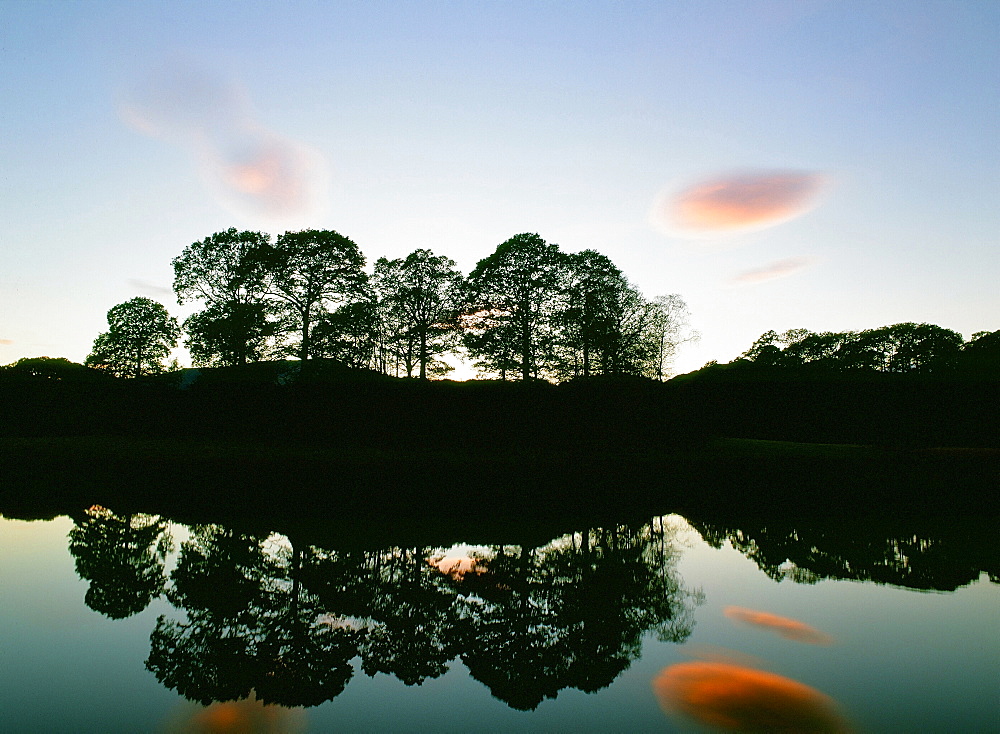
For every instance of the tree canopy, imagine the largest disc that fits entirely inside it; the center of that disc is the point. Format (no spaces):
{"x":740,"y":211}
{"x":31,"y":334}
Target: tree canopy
{"x":306,"y":272}
{"x":226,"y":273}
{"x":899,"y":348}
{"x":528,"y":310}
{"x":140,"y":336}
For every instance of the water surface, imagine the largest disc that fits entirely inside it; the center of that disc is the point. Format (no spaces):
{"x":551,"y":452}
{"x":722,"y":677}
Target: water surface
{"x":137,"y":623}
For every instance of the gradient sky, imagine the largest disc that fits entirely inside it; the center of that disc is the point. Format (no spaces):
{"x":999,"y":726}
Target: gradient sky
{"x":859,"y":139}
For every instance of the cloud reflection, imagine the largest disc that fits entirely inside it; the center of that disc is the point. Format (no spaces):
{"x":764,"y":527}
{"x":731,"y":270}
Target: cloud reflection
{"x":251,"y":170}
{"x":790,"y":629}
{"x":456,"y":567}
{"x":735,"y":698}
{"x":237,"y":717}
{"x":773,"y":271}
{"x":735,"y":202}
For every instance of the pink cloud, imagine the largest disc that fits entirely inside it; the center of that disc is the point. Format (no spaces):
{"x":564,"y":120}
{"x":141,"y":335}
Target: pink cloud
{"x":779,"y":269}
{"x":738,"y":202}
{"x":251,"y":170}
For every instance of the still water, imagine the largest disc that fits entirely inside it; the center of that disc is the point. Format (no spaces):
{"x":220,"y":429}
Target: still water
{"x":136,"y":623}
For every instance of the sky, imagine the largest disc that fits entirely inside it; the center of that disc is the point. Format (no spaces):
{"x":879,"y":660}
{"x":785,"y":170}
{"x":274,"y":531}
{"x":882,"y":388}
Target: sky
{"x":826,"y":165}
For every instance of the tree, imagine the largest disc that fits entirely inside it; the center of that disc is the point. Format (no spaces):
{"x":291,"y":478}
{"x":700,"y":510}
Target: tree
{"x":906,"y":347}
{"x":225,"y":272}
{"x":591,"y":288}
{"x":628,"y":346}
{"x":668,"y":326}
{"x":229,"y":333}
{"x":350,"y":334}
{"x":422,"y":294}
{"x":517,"y":292}
{"x":981,"y":354}
{"x":140,"y":337}
{"x":309,"y":270}
{"x":50,"y":368}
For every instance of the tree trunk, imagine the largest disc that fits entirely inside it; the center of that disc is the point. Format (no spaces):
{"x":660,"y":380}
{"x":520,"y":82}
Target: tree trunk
{"x":304,"y":348}
{"x":423,"y":354}
{"x":525,"y":345}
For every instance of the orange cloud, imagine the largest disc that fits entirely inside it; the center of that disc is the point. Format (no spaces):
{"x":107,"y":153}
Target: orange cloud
{"x":779,"y":269}
{"x":790,"y":629}
{"x":741,"y":201}
{"x":6,"y":342}
{"x":271,"y":175}
{"x":734,"y":698}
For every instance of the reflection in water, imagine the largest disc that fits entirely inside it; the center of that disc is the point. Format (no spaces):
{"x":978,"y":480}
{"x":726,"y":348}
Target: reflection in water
{"x":940,"y":557}
{"x":456,"y":566}
{"x":122,"y":558}
{"x":790,"y":629}
{"x":249,"y":716}
{"x":734,"y":698}
{"x":270,"y":616}
{"x":259,"y":615}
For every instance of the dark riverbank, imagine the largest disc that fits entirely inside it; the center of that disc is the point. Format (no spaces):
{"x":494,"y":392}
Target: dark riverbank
{"x":363,"y":451}
{"x":368,"y":493}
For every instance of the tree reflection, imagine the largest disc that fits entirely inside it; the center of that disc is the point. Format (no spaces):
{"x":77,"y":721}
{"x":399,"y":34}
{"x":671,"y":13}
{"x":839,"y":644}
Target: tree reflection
{"x":935,"y":557}
{"x":411,"y":627}
{"x":249,"y":627}
{"x":572,"y":614}
{"x":122,"y":558}
{"x":260,"y":616}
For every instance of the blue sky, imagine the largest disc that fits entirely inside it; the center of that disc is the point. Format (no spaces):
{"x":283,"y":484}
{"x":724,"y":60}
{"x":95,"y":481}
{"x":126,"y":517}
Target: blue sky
{"x":455,"y":125}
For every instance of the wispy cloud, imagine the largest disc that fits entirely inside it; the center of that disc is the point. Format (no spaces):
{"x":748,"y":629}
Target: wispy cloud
{"x":779,"y":269}
{"x":250,"y":169}
{"x":150,"y":289}
{"x":737,"y":202}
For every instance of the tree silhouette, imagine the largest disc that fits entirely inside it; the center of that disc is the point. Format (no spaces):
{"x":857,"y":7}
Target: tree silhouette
{"x":422,"y":294}
{"x":668,"y":325}
{"x":307,"y":272}
{"x":591,"y":288}
{"x":230,"y":333}
{"x":518,"y":288}
{"x":350,"y":334}
{"x":122,"y":558}
{"x":140,"y":336}
{"x":900,"y":348}
{"x":225,"y":272}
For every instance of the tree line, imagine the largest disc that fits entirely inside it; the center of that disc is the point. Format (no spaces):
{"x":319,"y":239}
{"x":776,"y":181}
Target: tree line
{"x":529,"y":310}
{"x":907,"y":348}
